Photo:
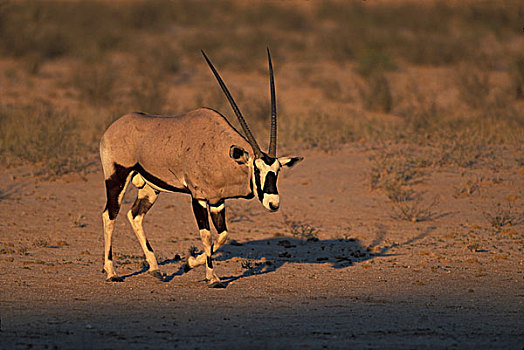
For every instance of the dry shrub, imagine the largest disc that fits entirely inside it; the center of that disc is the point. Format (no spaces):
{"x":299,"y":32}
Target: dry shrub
{"x":416,"y":210}
{"x":376,"y":93}
{"x":473,"y":85}
{"x":517,"y":76}
{"x":95,"y":82}
{"x":157,"y":58}
{"x":148,"y":95}
{"x":373,"y":62}
{"x":502,"y":216}
{"x":396,"y":192}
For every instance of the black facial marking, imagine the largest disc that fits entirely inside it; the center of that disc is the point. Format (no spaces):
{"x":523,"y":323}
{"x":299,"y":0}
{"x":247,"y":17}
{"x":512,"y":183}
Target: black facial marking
{"x":114,"y":186}
{"x":149,"y":246}
{"x":267,"y":159}
{"x":219,"y":220}
{"x":141,"y":206}
{"x":110,"y":254}
{"x":258,"y":186}
{"x":270,"y":185}
{"x":209,"y":262}
{"x":200,"y":215}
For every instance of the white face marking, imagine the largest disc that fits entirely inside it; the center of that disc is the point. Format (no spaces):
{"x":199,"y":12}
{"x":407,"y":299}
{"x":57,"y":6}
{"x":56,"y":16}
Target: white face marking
{"x":264,"y":169}
{"x":270,"y":201}
{"x":202,"y":203}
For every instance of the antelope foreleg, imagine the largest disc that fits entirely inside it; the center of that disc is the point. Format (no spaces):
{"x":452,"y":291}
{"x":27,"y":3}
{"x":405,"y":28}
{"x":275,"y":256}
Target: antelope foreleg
{"x":218,"y":216}
{"x":200,"y":211}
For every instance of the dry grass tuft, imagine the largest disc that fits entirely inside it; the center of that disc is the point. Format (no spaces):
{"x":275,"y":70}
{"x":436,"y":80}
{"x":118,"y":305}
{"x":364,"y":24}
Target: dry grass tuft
{"x":416,"y":210}
{"x":502,"y":216}
{"x":300,"y":230}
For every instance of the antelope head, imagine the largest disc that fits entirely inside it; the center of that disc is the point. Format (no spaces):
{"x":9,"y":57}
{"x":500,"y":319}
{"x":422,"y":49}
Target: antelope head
{"x":265,"y":166}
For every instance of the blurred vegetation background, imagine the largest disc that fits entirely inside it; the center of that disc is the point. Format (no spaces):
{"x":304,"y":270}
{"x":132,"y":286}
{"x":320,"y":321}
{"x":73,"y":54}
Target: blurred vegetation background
{"x":447,"y":77}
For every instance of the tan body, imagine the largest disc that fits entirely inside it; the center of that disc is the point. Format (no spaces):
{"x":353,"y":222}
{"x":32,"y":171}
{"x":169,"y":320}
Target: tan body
{"x":189,"y":152}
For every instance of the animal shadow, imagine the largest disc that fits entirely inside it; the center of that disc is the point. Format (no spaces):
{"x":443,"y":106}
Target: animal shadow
{"x":267,"y":255}
{"x":259,"y":257}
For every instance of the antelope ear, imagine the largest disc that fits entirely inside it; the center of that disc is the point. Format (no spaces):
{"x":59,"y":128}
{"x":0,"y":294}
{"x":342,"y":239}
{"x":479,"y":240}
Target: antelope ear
{"x":289,"y":161}
{"x":238,"y":154}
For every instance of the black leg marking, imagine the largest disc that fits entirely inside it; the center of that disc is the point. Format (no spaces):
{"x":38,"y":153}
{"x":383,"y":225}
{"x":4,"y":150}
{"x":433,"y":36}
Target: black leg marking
{"x":149,"y":246}
{"x":209,"y":262}
{"x":141,"y":206}
{"x":219,"y":220}
{"x":110,"y":255}
{"x":114,"y":186}
{"x":200,"y":215}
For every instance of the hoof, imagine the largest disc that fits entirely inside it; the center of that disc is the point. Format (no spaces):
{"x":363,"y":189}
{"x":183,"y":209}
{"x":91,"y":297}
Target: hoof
{"x":115,"y":279}
{"x":187,"y":267}
{"x":158,"y":275}
{"x":217,"y":285}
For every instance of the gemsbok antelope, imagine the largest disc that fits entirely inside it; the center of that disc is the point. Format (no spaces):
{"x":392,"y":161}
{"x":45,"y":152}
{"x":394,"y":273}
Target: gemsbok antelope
{"x":199,"y":153}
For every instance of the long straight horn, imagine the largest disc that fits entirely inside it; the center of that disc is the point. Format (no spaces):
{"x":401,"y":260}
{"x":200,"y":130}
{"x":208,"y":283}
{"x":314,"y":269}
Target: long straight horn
{"x":273,"y":134}
{"x":245,"y":127}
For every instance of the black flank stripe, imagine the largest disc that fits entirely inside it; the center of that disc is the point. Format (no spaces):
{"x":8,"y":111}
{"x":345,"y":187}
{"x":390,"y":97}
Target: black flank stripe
{"x":156,"y":181}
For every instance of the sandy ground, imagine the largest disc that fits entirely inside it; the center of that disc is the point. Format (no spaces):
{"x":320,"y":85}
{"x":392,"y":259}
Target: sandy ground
{"x":371,"y":280}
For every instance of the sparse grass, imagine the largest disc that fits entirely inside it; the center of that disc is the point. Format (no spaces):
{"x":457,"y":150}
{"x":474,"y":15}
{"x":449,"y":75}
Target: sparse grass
{"x":300,"y":230}
{"x":373,"y":62}
{"x":468,"y":188}
{"x":95,"y":82}
{"x":473,"y":85}
{"x":127,"y":56}
{"x":23,"y":250}
{"x":40,"y":134}
{"x":40,"y":243}
{"x":376,"y":93}
{"x":502,"y":216}
{"x":148,"y":96}
{"x":517,"y":76}
{"x":393,"y":170}
{"x":419,"y":110}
